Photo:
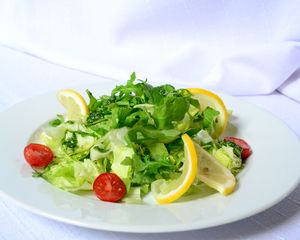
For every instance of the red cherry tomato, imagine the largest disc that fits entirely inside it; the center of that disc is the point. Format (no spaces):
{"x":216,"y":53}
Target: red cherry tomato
{"x":109,"y":187}
{"x":246,"y":149}
{"x":38,"y":155}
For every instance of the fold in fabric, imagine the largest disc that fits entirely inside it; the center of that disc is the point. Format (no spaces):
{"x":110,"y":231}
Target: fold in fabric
{"x":291,"y":87}
{"x":236,"y":47}
{"x":258,"y":70}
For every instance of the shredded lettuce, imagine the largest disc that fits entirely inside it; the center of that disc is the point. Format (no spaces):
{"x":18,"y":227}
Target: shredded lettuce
{"x":225,"y":155}
{"x":72,"y":176}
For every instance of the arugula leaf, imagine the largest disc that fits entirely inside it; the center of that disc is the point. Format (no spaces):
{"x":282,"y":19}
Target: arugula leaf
{"x":132,"y":78}
{"x":77,"y":144}
{"x":131,"y":90}
{"x":56,"y":122}
{"x":136,"y":117}
{"x":119,"y":115}
{"x":37,"y":174}
{"x":147,"y":170}
{"x":70,"y":141}
{"x":209,"y":118}
{"x":93,"y":101}
{"x":158,"y":93}
{"x":195,"y":103}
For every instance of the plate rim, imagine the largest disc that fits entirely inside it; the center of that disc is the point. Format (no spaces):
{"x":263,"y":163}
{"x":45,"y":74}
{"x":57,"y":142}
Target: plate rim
{"x":145,"y":229}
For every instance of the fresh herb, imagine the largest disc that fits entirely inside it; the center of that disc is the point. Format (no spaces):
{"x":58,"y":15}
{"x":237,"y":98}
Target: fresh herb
{"x":70,"y":141}
{"x":209,"y":118}
{"x":237,"y":150}
{"x":56,"y":122}
{"x":37,"y":174}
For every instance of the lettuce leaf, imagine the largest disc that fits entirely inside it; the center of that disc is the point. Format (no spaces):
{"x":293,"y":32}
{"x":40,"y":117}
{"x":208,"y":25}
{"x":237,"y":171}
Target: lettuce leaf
{"x":72,"y":176}
{"x":171,"y":109}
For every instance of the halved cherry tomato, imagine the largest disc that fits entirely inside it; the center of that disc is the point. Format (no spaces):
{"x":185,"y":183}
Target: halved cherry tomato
{"x":38,"y":155}
{"x":246,"y":149}
{"x":109,"y":187}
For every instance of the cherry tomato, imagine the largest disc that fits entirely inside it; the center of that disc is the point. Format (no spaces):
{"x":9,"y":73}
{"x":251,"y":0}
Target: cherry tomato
{"x":109,"y":187}
{"x":38,"y":155}
{"x":246,"y":149}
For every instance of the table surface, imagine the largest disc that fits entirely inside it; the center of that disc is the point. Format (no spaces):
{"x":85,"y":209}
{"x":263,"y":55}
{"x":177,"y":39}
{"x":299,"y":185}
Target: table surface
{"x":23,"y":76}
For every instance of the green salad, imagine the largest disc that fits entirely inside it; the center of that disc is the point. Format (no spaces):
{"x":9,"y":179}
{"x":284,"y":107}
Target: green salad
{"x":135,"y":135}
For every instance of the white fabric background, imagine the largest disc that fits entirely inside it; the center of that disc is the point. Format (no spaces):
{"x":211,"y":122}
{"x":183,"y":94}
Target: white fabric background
{"x":237,"y":47}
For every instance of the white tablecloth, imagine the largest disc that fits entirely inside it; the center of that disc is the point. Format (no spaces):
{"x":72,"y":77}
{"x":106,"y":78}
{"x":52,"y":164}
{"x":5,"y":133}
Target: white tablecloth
{"x":237,"y":47}
{"x":23,"y":76}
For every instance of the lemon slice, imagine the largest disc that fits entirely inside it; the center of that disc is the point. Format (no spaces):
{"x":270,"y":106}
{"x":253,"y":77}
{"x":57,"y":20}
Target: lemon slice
{"x":213,"y":173}
{"x":169,"y":191}
{"x":207,"y":98}
{"x":74,"y":103}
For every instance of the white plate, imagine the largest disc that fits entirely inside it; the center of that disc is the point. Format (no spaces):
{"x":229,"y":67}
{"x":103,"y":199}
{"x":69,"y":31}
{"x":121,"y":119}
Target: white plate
{"x":271,"y":173}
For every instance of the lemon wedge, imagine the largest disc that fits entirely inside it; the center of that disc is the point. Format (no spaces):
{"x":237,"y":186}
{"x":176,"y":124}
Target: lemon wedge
{"x":169,"y":191}
{"x":207,"y":98}
{"x":213,"y":173}
{"x":74,"y":104}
